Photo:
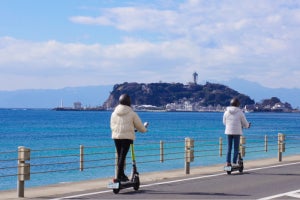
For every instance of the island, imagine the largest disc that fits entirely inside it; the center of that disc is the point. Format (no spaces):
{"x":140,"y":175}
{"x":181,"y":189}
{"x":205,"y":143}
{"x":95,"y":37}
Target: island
{"x":178,"y":97}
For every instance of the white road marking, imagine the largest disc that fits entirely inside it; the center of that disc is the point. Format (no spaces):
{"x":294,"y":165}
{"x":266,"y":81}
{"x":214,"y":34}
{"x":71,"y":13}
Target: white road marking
{"x":194,"y":178}
{"x":296,"y":194}
{"x":290,"y":194}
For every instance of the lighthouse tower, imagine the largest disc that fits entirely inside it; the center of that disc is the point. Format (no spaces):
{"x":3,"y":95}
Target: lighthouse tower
{"x":195,"y":75}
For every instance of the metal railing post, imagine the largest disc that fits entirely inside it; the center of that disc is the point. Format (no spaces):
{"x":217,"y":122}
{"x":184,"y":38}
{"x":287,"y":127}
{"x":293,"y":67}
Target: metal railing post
{"x":220,"y":146}
{"x":23,"y":169}
{"x":189,"y":154}
{"x":281,"y":145}
{"x":266,"y":143}
{"x":81,"y":166}
{"x":161,"y":151}
{"x":279,"y":152}
{"x":242,"y":147}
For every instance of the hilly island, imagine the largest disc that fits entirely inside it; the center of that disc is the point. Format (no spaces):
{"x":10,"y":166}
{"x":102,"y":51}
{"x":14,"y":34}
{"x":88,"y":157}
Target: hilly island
{"x":161,"y":94}
{"x":190,"y":97}
{"x":183,"y":97}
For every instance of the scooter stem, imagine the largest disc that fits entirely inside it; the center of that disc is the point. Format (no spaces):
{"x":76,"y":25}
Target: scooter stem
{"x":132,"y":152}
{"x":134,"y":169}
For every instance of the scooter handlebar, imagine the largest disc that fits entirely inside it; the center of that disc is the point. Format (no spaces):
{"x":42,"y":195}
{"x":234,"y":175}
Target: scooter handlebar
{"x":146,"y":124}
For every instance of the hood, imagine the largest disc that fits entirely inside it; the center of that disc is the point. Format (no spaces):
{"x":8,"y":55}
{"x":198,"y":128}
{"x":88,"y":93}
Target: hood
{"x":233,"y":109}
{"x":122,"y":110}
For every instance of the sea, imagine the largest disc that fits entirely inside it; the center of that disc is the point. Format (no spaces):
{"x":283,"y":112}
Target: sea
{"x":45,"y":131}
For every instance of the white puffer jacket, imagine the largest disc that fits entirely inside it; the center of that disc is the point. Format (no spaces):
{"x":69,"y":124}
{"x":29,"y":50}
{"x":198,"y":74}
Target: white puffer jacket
{"x":234,"y":120}
{"x":123,"y":121}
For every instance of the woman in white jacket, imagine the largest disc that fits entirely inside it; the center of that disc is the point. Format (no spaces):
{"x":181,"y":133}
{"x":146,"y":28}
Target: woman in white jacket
{"x":123,"y":123}
{"x":234,"y":120}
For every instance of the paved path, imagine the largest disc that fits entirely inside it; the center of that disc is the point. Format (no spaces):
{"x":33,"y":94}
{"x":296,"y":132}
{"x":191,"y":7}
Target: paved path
{"x":266,"y":178}
{"x":255,"y":183}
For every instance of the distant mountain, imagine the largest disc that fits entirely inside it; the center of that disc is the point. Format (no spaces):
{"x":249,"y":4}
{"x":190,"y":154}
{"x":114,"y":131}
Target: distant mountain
{"x":258,"y":92}
{"x":161,"y":94}
{"x":50,"y":98}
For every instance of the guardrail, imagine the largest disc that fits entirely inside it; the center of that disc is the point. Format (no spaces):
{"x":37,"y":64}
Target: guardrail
{"x":32,"y":162}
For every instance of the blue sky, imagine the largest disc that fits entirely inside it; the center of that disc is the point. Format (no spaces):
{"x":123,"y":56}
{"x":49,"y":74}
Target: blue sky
{"x":49,"y":44}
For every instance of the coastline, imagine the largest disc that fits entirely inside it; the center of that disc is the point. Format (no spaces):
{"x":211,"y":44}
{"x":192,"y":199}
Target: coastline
{"x":166,"y":110}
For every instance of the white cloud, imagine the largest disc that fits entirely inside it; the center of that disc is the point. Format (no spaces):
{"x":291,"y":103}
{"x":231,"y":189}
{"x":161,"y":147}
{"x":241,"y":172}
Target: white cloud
{"x":91,"y":20}
{"x":131,"y":18}
{"x":255,"y":40}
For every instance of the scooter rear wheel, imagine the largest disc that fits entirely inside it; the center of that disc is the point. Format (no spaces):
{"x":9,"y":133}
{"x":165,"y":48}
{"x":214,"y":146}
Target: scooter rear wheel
{"x":116,"y":191}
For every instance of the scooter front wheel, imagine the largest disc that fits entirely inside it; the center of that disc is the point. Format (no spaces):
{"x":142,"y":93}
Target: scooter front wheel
{"x":137,"y":183}
{"x":241,"y":169}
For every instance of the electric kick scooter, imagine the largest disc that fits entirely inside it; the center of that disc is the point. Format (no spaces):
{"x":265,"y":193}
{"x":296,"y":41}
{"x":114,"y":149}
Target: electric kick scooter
{"x":134,"y":181}
{"x":239,"y":168}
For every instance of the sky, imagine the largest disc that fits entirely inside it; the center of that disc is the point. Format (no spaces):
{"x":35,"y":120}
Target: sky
{"x":53,"y":44}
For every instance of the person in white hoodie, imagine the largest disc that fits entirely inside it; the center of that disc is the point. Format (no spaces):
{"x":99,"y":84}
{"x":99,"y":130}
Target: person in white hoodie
{"x":234,"y":120}
{"x":123,"y":123}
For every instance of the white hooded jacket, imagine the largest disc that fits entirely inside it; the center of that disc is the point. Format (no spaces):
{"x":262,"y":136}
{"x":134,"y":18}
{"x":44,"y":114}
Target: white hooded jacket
{"x":234,"y":120}
{"x":123,"y":121}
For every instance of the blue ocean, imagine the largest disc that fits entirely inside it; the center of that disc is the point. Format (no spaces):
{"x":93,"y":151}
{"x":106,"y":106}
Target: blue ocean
{"x":47,"y":131}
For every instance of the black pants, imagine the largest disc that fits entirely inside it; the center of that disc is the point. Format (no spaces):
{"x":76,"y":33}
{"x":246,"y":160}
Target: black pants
{"x":122,"y":146}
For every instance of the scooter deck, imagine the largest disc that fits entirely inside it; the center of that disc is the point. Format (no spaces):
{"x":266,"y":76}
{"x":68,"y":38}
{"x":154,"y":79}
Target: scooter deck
{"x":120,"y":185}
{"x":113,"y":185}
{"x":232,"y":168}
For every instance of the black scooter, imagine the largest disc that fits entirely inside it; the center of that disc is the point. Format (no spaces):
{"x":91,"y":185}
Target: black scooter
{"x":134,"y":181}
{"x":239,"y":168}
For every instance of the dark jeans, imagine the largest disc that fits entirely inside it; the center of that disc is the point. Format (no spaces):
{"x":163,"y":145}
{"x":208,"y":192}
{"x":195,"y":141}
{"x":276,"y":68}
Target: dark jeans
{"x":235,"y":139}
{"x":122,"y":146}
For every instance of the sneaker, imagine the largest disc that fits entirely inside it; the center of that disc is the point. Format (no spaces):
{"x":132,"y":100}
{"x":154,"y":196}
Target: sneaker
{"x":235,"y":165}
{"x":124,"y":178}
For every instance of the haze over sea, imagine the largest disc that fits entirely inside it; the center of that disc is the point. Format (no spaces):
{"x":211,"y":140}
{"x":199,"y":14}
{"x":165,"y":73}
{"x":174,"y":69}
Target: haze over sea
{"x":47,"y":129}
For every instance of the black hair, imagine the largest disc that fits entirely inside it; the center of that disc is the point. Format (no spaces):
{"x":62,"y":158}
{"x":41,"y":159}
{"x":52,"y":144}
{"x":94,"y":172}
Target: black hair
{"x":235,"y":102}
{"x":125,"y":100}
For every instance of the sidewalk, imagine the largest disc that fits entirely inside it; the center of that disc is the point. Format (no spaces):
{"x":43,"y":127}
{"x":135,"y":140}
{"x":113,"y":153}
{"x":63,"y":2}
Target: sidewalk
{"x":47,"y":192}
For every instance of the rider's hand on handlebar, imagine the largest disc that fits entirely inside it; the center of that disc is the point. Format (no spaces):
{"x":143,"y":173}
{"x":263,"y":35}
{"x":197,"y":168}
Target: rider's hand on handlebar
{"x":146,"y":124}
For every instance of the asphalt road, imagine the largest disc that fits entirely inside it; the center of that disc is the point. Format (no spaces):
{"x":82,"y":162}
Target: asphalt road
{"x":253,"y":183}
